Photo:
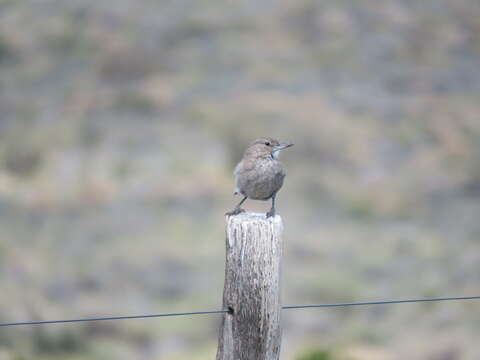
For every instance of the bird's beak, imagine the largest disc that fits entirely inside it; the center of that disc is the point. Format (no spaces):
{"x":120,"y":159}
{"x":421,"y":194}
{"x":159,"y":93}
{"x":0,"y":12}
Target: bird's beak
{"x":282,"y":146}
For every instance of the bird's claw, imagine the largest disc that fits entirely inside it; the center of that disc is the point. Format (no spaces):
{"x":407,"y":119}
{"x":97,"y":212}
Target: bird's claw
{"x":271,"y":213}
{"x":235,"y":211}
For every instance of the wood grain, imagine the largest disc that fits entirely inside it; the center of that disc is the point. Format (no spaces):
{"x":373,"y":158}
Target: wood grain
{"x":252,"y":288}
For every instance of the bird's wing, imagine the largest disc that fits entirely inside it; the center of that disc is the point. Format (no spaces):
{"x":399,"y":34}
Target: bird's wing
{"x":235,"y":172}
{"x":241,"y":170}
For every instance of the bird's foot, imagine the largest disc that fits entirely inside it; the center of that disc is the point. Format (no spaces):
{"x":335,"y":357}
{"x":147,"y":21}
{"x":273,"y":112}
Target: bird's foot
{"x":271,"y":213}
{"x":235,"y":211}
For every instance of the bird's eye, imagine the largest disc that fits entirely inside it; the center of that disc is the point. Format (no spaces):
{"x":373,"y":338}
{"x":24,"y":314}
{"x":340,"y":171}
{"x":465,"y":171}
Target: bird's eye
{"x":268,"y":143}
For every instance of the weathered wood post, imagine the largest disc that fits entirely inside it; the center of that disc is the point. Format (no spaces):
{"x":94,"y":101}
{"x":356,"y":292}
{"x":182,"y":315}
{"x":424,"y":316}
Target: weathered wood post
{"x":252,"y":330}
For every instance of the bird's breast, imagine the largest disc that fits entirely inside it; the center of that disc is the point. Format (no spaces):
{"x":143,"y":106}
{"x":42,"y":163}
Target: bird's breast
{"x":259,"y":179}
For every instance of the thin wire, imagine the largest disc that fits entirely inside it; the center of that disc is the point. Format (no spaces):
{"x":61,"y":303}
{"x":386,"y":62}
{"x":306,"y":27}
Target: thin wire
{"x":383,"y":302}
{"x":112,"y":318}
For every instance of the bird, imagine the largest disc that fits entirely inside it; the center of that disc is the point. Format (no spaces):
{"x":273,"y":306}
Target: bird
{"x":259,"y":175}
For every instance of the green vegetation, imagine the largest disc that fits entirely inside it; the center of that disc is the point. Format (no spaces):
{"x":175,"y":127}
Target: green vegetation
{"x":316,"y":355}
{"x":5,"y":50}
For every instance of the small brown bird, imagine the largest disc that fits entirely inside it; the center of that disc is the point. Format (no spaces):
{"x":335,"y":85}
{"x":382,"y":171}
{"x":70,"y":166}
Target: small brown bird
{"x":259,"y":175}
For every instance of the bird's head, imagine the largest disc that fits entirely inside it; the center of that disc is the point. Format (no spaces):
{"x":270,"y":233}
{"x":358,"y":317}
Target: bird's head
{"x":266,"y":147}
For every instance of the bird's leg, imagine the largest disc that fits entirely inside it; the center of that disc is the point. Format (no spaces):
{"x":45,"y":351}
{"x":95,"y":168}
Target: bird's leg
{"x":237,"y":209}
{"x":272,"y":209}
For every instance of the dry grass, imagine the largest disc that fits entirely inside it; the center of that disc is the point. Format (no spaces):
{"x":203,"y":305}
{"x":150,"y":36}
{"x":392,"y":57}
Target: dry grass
{"x":119,"y":129}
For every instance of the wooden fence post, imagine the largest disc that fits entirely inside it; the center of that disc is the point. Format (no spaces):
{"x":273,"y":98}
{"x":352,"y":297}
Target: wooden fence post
{"x":252,"y":330}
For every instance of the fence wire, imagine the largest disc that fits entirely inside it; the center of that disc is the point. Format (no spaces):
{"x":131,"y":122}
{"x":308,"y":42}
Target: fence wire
{"x":192,"y":313}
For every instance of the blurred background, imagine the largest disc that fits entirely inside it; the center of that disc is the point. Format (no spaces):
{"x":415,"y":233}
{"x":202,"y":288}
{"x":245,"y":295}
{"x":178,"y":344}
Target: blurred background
{"x":121,"y":123}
